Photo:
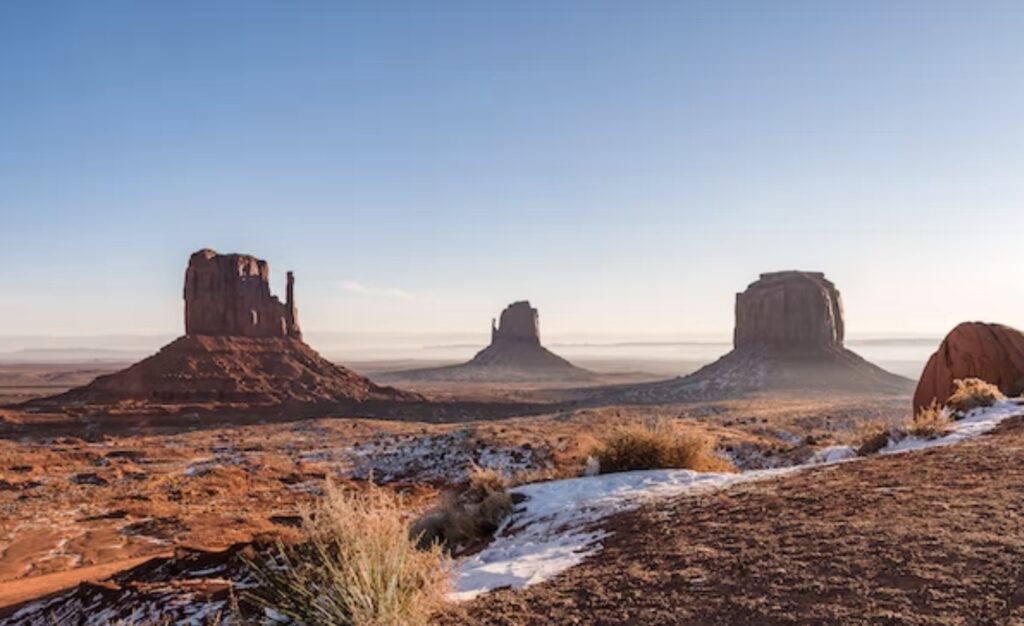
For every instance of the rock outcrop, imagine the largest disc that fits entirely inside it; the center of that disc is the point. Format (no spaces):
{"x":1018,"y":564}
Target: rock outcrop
{"x":242,"y":347}
{"x":992,"y":352}
{"x":794,"y":311}
{"x":518,"y":322}
{"x":229,"y":295}
{"x":515,"y":354}
{"x":788,"y":336}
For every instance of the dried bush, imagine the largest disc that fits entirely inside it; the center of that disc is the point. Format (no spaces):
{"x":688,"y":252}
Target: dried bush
{"x":467,"y":519}
{"x":973,"y":393}
{"x":357,"y":567}
{"x":658,"y":445}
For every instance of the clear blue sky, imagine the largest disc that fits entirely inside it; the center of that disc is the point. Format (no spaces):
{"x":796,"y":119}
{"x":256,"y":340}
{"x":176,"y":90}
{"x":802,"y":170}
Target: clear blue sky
{"x":627,"y":166}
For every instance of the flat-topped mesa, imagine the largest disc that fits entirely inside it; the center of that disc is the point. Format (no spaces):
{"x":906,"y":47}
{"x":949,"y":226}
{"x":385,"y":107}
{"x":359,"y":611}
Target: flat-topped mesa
{"x":229,"y":295}
{"x":519,"y":322}
{"x":789,"y":311}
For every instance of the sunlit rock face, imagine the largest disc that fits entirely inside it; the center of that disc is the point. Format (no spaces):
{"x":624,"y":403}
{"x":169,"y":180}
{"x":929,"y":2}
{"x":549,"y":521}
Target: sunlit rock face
{"x":992,"y":352}
{"x":229,"y":295}
{"x":791,"y":310}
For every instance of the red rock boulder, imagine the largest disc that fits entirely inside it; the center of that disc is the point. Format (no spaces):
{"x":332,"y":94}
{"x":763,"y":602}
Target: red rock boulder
{"x":992,"y":352}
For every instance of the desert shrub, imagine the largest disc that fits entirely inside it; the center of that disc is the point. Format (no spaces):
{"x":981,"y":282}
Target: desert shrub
{"x":358,"y":566}
{"x":658,"y":445}
{"x":930,"y":422}
{"x":874,"y":436}
{"x":467,"y":518}
{"x":973,"y":393}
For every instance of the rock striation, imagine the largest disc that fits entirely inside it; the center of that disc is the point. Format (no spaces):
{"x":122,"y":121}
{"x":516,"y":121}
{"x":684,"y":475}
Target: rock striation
{"x":514,"y":354}
{"x":242,"y":347}
{"x":229,"y":295}
{"x":991,"y":352}
{"x":788,"y":336}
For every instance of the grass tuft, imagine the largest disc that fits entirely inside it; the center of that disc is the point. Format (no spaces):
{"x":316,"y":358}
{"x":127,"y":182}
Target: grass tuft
{"x":658,"y":445}
{"x":357,"y":567}
{"x":466,"y":520}
{"x":972,"y":393}
{"x":930,"y":422}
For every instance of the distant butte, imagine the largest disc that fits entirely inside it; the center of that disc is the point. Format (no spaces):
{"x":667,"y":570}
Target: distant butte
{"x":242,"y":348}
{"x":789,"y":335}
{"x":514,"y":354}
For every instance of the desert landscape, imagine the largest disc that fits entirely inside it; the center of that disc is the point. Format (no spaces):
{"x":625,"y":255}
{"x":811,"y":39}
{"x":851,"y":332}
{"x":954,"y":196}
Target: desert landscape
{"x":141,"y":492}
{"x":511,"y":314}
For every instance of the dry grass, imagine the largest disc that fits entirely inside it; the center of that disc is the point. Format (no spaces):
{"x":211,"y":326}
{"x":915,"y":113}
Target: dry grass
{"x":465,"y":520}
{"x":973,"y":393}
{"x":658,"y":445}
{"x":874,"y":436}
{"x":930,"y":423}
{"x":359,"y":566}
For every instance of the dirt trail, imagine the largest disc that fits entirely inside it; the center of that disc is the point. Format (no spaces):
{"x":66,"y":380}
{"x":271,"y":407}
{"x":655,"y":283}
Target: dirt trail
{"x":931,"y":537}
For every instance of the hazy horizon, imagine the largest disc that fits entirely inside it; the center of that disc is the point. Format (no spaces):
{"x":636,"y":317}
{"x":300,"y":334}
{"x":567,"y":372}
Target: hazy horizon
{"x":628,"y":169}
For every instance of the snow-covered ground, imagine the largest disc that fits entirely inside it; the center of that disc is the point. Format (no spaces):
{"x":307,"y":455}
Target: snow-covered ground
{"x":557,"y":525}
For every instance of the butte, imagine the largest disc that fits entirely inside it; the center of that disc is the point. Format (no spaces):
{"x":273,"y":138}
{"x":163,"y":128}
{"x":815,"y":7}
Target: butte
{"x":788,"y":336}
{"x":242,"y":347}
{"x":515,"y":354}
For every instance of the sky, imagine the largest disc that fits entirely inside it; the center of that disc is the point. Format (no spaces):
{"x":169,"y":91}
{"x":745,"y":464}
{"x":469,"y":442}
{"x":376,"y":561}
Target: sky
{"x":625,"y":166}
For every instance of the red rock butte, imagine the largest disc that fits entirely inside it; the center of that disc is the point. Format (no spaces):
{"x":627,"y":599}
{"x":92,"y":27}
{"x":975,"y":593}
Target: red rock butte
{"x":992,"y":352}
{"x":788,"y":336}
{"x":229,"y":295}
{"x":242,"y":347}
{"x":789,"y":311}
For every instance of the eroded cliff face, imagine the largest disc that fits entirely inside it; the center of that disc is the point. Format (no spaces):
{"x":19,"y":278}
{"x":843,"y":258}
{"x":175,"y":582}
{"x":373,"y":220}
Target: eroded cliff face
{"x":518,"y":322}
{"x":228,"y":295}
{"x":992,"y":352}
{"x":791,"y":310}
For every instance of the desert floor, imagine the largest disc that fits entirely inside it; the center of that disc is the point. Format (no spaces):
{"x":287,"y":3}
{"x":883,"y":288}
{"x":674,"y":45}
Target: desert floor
{"x":927,"y":537}
{"x":73,"y":509}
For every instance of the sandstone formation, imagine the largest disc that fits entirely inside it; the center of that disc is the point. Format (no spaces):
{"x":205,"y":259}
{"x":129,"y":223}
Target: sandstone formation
{"x":515,"y":354}
{"x":991,"y":352}
{"x":519,"y":322}
{"x":789,"y":311}
{"x":242,"y":347}
{"x":229,"y":295}
{"x":788,"y":336}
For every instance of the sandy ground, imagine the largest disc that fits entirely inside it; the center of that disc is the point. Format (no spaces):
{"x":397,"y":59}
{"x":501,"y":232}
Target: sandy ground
{"x":930,"y":537}
{"x":68,"y":504}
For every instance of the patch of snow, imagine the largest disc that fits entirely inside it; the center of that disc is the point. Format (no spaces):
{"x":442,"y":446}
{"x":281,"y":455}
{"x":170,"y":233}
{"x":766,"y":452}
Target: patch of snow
{"x":438,"y":458}
{"x":557,"y":525}
{"x":975,"y":423}
{"x":833,"y":454}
